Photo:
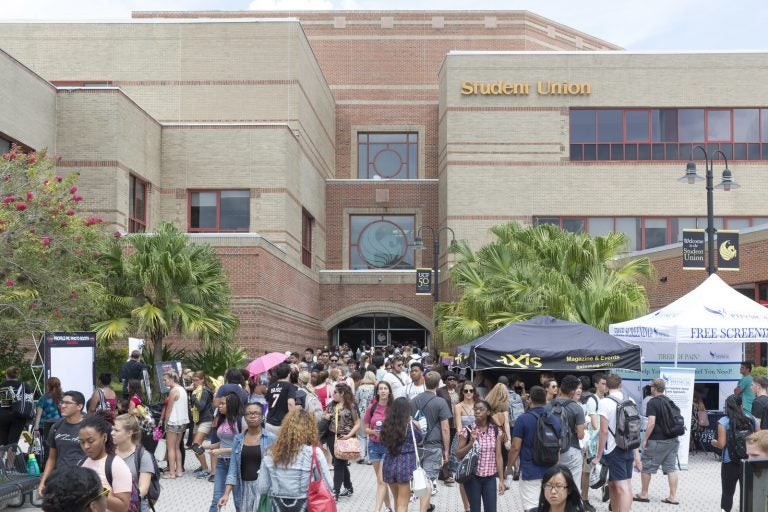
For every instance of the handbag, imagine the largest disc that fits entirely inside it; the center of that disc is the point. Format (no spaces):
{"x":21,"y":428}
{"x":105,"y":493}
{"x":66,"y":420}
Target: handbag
{"x":320,"y":497}
{"x":345,"y":449}
{"x":468,"y":465}
{"x":419,"y":485}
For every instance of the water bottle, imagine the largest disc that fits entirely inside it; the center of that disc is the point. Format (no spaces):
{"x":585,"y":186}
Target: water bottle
{"x":32,"y":468}
{"x":378,"y":425}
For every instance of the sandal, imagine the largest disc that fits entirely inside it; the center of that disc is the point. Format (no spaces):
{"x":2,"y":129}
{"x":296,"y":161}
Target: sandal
{"x":670,"y":502}
{"x":640,"y":499}
{"x":168,"y":476}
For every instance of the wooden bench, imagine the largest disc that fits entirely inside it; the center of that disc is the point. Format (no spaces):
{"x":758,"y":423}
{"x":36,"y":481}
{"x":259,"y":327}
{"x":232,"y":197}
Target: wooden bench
{"x":15,"y":485}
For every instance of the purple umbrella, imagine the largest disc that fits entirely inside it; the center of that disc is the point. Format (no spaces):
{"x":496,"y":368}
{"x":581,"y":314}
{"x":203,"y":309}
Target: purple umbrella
{"x":266,"y":362}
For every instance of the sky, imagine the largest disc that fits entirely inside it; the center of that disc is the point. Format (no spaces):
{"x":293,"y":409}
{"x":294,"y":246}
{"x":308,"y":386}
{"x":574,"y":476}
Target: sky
{"x":634,"y":25}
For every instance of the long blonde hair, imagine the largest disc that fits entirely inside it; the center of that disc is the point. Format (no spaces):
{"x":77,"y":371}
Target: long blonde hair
{"x":498,"y":398}
{"x":299,"y":428}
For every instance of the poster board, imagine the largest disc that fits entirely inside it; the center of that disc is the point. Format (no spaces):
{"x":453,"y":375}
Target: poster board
{"x":161,"y":368}
{"x":135,"y":344}
{"x":678,"y":386}
{"x":71,"y":356}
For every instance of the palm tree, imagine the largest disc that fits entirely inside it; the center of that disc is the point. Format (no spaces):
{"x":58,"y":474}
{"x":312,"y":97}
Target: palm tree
{"x":529,"y":271}
{"x":161,"y":283}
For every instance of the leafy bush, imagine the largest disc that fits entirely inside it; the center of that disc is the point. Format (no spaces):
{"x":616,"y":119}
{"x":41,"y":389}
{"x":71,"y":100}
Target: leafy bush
{"x":760,"y":371}
{"x":215,"y":358}
{"x":110,"y":360}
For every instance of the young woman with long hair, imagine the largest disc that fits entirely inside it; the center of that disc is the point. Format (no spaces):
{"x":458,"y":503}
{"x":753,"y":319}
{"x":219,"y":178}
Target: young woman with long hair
{"x":482,"y":488}
{"x":97,"y":444}
{"x":730,"y":470}
{"x":373,"y":420}
{"x":230,"y":424}
{"x":201,"y":400}
{"x":397,"y":434}
{"x":103,"y":397}
{"x":126,"y":434}
{"x":176,"y":418}
{"x":498,"y":399}
{"x":286,"y":469}
{"x":463,"y":416}
{"x":248,"y":450}
{"x":559,"y":492}
{"x":75,"y":489}
{"x":364,"y":392}
{"x":48,"y":405}
{"x":345,"y":422}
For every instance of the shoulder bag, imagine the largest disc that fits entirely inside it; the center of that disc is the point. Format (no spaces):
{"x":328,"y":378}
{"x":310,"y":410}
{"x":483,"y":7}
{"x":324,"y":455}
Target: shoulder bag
{"x":23,"y":404}
{"x":468,"y":465}
{"x":419,"y":485}
{"x":320,"y":498}
{"x":345,"y":449}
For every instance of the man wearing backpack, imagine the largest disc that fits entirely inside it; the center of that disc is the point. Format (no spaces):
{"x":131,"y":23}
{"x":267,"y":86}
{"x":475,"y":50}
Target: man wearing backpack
{"x":659,"y":446}
{"x":617,"y":447}
{"x":760,"y":403}
{"x":571,"y":417}
{"x":536,"y":439}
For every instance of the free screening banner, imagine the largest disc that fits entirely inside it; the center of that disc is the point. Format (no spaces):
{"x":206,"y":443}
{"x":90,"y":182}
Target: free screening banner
{"x":679,"y":388}
{"x":71,"y":357}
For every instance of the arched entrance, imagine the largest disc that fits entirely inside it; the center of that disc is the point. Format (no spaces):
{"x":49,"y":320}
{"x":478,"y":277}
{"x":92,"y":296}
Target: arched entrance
{"x":378,"y":329}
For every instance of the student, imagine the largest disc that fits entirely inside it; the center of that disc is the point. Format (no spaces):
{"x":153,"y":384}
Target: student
{"x":96,"y":440}
{"x":64,"y":437}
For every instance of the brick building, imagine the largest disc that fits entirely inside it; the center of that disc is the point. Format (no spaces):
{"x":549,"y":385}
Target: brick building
{"x":309,"y":150}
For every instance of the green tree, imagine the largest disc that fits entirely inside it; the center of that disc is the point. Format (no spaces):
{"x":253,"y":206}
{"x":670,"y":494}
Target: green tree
{"x":162,"y":283}
{"x":48,"y":279}
{"x":530,"y":271}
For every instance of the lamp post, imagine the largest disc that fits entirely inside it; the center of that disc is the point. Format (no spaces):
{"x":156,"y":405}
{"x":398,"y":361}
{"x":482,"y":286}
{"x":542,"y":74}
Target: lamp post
{"x":726,"y":184}
{"x":418,"y":243}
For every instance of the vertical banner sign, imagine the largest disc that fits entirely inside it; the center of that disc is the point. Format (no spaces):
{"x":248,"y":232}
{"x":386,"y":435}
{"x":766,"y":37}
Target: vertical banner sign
{"x":693,"y":249}
{"x":423,"y":281}
{"x":727,"y":250}
{"x":679,"y":388}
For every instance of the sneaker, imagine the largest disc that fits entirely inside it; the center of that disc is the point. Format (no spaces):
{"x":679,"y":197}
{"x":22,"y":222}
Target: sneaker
{"x":212,"y":478}
{"x":434,"y":487}
{"x":588,"y":507}
{"x":202,"y":474}
{"x":346,"y":492}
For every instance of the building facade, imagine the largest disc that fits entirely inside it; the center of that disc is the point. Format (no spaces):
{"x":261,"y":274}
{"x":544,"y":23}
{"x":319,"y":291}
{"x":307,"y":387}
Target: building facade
{"x":312,"y":152}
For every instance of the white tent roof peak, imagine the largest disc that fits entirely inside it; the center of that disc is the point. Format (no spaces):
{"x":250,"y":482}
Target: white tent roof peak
{"x":711,"y":313}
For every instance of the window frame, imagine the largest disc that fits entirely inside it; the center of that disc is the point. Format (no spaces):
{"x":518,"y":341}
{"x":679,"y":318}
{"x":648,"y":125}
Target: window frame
{"x":218,"y":192}
{"x":354,"y":245}
{"x":408,"y":144}
{"x":307,"y":225}
{"x":135,"y":224}
{"x":649,"y":150}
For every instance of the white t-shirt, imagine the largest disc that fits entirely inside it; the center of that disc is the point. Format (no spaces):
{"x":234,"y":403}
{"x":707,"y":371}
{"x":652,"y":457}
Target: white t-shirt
{"x":607,"y":409}
{"x":412,"y":390}
{"x":122,"y":481}
{"x":397,"y":384}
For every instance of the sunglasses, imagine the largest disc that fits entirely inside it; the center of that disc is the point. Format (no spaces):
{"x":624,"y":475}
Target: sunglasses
{"x":467,"y":391}
{"x":334,"y":360}
{"x":104,"y":492}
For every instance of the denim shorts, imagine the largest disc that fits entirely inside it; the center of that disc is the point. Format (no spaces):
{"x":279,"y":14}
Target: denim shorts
{"x":376,"y":451}
{"x":620,"y":464}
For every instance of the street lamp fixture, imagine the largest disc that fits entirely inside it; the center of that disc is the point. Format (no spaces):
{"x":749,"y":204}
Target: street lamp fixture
{"x":726,"y":184}
{"x":418,"y":244}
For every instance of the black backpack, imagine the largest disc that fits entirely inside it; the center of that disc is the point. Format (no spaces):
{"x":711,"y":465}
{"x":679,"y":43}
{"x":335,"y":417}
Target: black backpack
{"x":672,"y":423}
{"x":567,"y":422}
{"x":153,"y":493}
{"x":736,"y":441}
{"x":628,"y":424}
{"x":546,"y":441}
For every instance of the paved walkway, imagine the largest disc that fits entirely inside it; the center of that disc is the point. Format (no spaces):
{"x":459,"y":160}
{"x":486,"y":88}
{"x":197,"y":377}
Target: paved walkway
{"x":699,"y":492}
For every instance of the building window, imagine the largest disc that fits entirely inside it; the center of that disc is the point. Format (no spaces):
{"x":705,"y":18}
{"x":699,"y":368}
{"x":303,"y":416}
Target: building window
{"x":219,"y":210}
{"x":646,"y":232}
{"x":381,"y":242}
{"x":392,"y":156}
{"x":137,"y":205}
{"x":5,"y":145}
{"x":667,"y":133}
{"x":306,"y":238}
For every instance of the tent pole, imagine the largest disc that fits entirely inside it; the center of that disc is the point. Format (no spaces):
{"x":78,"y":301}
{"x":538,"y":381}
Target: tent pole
{"x":675,"y":353}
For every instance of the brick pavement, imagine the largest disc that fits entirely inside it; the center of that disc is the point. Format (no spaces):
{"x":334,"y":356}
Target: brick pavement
{"x":699,"y":491}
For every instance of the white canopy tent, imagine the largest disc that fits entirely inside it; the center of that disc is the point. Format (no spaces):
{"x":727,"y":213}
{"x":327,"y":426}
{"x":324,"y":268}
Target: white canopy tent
{"x":712,"y":313}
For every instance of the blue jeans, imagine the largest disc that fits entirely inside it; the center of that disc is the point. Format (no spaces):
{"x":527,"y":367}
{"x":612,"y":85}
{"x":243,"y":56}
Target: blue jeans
{"x":220,"y":483}
{"x":482,"y":488}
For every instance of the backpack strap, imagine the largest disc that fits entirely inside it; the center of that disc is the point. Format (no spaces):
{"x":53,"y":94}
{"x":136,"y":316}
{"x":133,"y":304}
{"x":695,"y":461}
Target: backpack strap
{"x":138,"y":454}
{"x":108,"y":467}
{"x":617,"y":415}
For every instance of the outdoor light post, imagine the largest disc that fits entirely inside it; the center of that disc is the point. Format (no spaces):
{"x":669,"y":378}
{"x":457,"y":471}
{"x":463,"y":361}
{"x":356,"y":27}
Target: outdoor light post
{"x":726,"y":184}
{"x":418,"y":243}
